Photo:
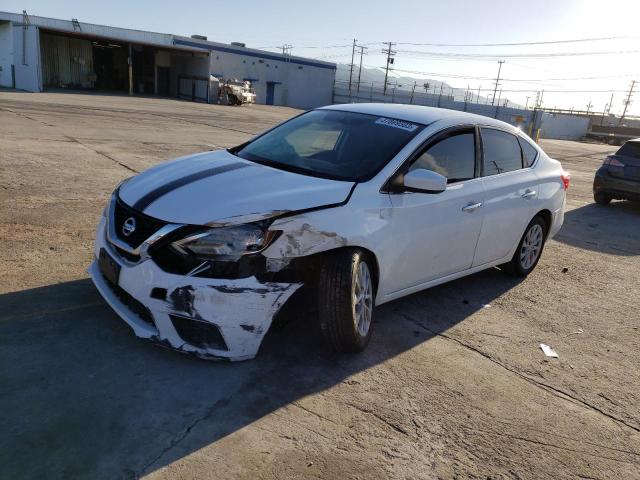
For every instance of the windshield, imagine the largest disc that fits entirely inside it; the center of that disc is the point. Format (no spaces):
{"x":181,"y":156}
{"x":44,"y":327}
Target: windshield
{"x":332,"y":144}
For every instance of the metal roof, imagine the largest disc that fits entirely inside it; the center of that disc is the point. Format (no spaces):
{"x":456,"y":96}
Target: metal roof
{"x":166,"y":40}
{"x":250,"y":52}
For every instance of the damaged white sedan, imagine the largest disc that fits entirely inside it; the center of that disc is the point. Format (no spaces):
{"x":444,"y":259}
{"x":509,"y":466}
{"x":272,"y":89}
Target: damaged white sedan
{"x":349,"y":205}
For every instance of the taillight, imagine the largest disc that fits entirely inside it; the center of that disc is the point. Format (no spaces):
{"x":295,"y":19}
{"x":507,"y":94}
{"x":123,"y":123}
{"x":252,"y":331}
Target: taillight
{"x":566,"y":178}
{"x":613,"y":161}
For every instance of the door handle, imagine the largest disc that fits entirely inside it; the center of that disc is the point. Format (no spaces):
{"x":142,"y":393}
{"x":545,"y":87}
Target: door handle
{"x":529,"y":193}
{"x":471,"y":207}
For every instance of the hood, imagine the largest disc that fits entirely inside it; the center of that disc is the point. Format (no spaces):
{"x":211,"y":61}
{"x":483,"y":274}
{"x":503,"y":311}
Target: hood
{"x":214,"y":188}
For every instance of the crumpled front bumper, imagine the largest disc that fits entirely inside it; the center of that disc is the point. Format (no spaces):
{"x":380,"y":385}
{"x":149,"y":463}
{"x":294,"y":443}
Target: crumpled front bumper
{"x":205,"y":317}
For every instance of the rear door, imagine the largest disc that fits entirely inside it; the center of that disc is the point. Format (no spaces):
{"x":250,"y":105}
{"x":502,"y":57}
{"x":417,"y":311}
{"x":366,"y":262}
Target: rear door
{"x":435,"y":235}
{"x":511,"y":188}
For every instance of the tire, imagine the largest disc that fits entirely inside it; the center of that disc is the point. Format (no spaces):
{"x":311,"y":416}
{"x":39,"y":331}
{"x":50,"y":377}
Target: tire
{"x":602,"y":198}
{"x":345,"y":323}
{"x":529,"y":249}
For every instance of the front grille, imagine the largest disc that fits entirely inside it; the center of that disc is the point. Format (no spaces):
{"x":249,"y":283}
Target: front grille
{"x":145,"y":226}
{"x":198,"y":333}
{"x":131,"y":303}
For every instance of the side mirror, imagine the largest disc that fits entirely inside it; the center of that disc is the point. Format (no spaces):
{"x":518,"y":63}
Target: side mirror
{"x":424,"y":181}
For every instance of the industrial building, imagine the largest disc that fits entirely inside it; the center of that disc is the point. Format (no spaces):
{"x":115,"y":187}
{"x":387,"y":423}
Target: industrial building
{"x":39,"y":54}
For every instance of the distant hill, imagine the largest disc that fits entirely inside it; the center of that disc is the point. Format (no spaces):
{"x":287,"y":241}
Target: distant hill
{"x":405,"y":83}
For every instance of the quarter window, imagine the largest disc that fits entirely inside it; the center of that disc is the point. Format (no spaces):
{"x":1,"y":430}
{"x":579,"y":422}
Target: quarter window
{"x":501,"y":152}
{"x":529,"y":152}
{"x":453,"y":157}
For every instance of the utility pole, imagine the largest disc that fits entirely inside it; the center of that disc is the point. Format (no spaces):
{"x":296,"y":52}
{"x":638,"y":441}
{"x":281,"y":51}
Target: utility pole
{"x":353,"y":52}
{"x":466,"y":97}
{"x":526,"y":106}
{"x":607,"y":109}
{"x":413,"y":90}
{"x":362,"y":49}
{"x":440,"y":95}
{"x":478,"y":97}
{"x":627,"y":102}
{"x":390,"y":53}
{"x":286,"y":48}
{"x":500,"y":62}
{"x":499,"y":96}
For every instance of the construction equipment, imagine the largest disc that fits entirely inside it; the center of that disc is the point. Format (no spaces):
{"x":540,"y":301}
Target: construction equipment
{"x":236,"y":92}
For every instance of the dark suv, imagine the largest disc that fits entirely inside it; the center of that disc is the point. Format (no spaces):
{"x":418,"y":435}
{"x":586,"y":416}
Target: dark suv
{"x":619,"y":175}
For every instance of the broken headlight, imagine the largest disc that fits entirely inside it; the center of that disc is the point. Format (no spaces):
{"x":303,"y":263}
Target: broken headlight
{"x":225,"y":243}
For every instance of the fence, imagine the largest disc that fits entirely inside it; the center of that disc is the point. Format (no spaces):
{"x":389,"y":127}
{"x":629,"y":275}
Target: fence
{"x":551,"y":125}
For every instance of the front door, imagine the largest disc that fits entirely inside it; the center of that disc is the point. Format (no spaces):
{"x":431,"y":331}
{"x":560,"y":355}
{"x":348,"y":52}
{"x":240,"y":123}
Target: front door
{"x":510,"y":193}
{"x":435,"y":235}
{"x":271,"y":87}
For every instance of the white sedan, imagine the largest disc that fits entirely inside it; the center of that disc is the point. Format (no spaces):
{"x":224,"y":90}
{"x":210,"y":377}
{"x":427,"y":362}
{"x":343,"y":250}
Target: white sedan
{"x":348,"y":206}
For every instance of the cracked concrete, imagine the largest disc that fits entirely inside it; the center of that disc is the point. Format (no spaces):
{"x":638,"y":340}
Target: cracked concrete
{"x":447,"y":388}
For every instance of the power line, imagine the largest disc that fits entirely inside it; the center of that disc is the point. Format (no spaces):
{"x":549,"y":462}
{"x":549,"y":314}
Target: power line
{"x":473,"y":77}
{"x":516,"y":55}
{"x":514,"y":44}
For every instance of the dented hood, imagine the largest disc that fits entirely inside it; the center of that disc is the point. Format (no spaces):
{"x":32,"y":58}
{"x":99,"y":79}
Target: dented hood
{"x":220,"y":188}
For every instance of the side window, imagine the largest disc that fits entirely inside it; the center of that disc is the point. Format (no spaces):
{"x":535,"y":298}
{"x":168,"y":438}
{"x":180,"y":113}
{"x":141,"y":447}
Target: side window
{"x":501,"y":152}
{"x":453,"y":157}
{"x":529,"y":152}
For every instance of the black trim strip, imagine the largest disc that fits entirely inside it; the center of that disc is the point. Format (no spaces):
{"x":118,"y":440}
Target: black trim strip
{"x":154,"y":195}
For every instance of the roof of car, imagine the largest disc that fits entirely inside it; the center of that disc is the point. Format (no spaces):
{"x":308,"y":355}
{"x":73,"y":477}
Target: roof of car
{"x":415,"y":113}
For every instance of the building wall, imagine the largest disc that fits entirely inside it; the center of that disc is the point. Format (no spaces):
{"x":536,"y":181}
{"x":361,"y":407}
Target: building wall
{"x":6,"y":54}
{"x":296,"y":85}
{"x":187,"y":65}
{"x":563,"y":127}
{"x":27,"y":68}
{"x":299,"y":82}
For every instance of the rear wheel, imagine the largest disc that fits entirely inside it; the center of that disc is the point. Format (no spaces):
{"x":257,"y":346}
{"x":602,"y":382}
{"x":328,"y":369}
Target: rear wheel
{"x":602,"y":198}
{"x":345,"y":300}
{"x":529,"y":249}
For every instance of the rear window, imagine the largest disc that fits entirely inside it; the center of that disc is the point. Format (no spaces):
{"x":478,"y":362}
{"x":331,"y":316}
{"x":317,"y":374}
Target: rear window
{"x":501,"y":152}
{"x":529,"y":152}
{"x":630,"y":149}
{"x":332,"y":144}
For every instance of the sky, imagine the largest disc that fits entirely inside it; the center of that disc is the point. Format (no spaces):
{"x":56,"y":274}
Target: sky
{"x":325,"y":30}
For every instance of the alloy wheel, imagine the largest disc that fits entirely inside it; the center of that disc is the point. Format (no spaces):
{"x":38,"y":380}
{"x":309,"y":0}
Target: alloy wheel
{"x":363,"y":299}
{"x":531,"y":246}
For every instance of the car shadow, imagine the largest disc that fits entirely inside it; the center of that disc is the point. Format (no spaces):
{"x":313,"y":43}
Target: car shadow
{"x":611,"y":229}
{"x":83,"y":398}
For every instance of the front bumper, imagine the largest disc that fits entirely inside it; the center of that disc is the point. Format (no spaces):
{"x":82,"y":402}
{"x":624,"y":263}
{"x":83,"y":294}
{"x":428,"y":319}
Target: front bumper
{"x":206,"y":317}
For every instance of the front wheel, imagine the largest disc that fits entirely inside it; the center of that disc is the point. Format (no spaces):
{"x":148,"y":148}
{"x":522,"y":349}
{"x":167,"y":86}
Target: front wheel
{"x":529,"y":249}
{"x":346,"y":300}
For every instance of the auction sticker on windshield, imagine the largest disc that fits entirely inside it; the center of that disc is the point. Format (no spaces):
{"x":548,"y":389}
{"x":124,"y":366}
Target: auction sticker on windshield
{"x":390,"y":122}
